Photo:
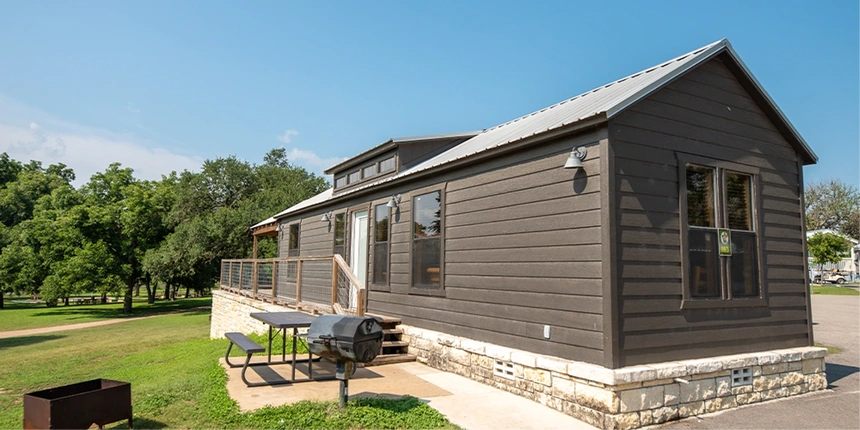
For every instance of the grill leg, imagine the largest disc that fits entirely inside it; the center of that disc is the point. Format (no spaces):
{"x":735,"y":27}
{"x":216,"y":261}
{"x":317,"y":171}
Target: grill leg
{"x":344,"y":392}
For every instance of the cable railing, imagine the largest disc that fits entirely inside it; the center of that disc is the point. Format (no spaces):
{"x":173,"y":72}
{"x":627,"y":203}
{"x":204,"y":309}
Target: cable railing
{"x":322,"y":284}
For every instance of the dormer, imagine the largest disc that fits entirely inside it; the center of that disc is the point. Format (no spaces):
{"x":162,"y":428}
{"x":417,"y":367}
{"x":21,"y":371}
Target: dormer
{"x":392,"y":157}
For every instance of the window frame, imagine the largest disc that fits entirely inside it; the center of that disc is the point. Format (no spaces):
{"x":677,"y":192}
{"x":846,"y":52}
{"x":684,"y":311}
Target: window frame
{"x":294,"y":252}
{"x":376,"y":286}
{"x":725,"y":300}
{"x":420,"y":289}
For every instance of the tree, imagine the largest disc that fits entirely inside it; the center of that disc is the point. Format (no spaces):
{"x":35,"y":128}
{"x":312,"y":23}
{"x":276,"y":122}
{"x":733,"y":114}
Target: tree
{"x":827,"y":248}
{"x":831,"y":205}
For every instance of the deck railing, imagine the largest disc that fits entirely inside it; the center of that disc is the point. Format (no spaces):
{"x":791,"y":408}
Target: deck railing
{"x":322,"y":284}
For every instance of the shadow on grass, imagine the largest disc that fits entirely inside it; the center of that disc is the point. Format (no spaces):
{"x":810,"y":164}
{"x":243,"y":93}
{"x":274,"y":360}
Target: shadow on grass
{"x":115,"y":311}
{"x":138,"y":423}
{"x":28,"y":340}
{"x":835,"y":372}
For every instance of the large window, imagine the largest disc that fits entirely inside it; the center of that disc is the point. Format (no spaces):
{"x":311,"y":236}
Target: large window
{"x":427,"y":240}
{"x":293,"y":247}
{"x":339,"y":234}
{"x":721,"y":245}
{"x":380,"y":244}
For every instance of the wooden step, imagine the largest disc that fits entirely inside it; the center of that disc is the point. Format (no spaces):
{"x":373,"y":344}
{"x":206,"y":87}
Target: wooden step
{"x":390,"y":331}
{"x":391,"y":358}
{"x":394,"y":343}
{"x":385,"y":319}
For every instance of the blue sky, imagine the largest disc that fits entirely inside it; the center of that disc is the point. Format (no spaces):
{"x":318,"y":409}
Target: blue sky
{"x":162,"y":86}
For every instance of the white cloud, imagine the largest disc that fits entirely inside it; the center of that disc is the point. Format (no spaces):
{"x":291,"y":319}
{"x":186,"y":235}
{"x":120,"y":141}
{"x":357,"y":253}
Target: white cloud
{"x":287,"y":137}
{"x":311,"y":161}
{"x":30,"y":134}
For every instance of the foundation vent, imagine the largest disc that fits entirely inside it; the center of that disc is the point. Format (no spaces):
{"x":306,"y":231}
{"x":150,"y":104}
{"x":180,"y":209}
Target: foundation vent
{"x":504,"y":369}
{"x":742,"y":376}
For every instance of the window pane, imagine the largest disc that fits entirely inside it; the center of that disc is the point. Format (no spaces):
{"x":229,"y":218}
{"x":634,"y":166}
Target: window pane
{"x":744,"y":265}
{"x":704,"y":263}
{"x":700,"y":196}
{"x":380,"y":263}
{"x":426,"y":254}
{"x":739,"y":201}
{"x":427,"y":215}
{"x":339,"y":182}
{"x":354,"y":176}
{"x":339,"y":229}
{"x":294,"y":240}
{"x":381,"y":220}
{"x":369,"y":171}
{"x":386,"y":165}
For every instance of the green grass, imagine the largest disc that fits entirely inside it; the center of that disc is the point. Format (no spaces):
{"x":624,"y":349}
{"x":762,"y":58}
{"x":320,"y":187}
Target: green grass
{"x":834,"y":290}
{"x":176,"y":379}
{"x":22,"y":316}
{"x":830,"y":349}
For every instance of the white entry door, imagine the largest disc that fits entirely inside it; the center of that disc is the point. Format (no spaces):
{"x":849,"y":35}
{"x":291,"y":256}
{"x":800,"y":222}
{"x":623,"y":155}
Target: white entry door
{"x":358,"y":256}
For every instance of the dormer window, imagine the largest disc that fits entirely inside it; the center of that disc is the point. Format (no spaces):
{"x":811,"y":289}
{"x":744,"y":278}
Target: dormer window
{"x":386,"y":165}
{"x":339,"y":182}
{"x":369,"y":171}
{"x":354,"y":177}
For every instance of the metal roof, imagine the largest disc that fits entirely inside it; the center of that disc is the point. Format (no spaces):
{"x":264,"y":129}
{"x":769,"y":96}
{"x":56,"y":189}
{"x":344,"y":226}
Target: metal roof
{"x":600,"y":103}
{"x":393,"y":142}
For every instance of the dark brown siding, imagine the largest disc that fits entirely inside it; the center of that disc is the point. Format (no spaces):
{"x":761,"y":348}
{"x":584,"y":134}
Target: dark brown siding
{"x":413,"y":153}
{"x":522,"y":250}
{"x":705,"y":113}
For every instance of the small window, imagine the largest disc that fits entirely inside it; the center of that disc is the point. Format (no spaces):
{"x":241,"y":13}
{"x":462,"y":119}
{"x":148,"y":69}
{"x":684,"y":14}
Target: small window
{"x":721,"y":245}
{"x":293,"y":249}
{"x":355,"y":176}
{"x":339,"y":234}
{"x":380,"y":245}
{"x":339,"y":182}
{"x":427,"y":240}
{"x":386,"y":165}
{"x":368,"y":171}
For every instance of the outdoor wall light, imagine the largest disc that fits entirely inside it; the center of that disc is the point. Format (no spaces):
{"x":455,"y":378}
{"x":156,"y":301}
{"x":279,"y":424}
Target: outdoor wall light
{"x":326,"y":217}
{"x":574,"y":161}
{"x":394,"y":201}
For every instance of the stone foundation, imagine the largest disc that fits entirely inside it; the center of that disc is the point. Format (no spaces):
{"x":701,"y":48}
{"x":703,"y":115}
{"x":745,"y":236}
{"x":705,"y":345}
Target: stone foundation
{"x":232,"y":312}
{"x":628,"y":397}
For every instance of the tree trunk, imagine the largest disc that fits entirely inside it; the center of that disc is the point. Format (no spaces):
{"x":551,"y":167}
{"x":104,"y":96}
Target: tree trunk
{"x":129,"y":291}
{"x":186,"y":292}
{"x":137,"y":290}
{"x":65,"y":301}
{"x":1,"y":299}
{"x":167,"y":288}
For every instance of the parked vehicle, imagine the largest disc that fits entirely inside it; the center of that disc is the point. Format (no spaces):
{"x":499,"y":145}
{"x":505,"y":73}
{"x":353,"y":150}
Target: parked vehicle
{"x":835,"y":278}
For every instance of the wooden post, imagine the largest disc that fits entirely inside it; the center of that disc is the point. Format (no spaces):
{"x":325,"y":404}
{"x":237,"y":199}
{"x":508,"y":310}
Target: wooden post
{"x":254,"y":279}
{"x":359,"y":307}
{"x":298,"y":282}
{"x":241,"y":273}
{"x":274,"y":280}
{"x":254,"y":255}
{"x":230,"y":275}
{"x":334,"y":276}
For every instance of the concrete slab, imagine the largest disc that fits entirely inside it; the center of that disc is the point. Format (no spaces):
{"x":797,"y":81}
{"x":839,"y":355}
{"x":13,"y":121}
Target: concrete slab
{"x":469,"y":404}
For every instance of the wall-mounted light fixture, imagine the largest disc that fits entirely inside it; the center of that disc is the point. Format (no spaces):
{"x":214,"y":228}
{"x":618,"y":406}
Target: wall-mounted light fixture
{"x":394,"y":201}
{"x":326,"y":217}
{"x":577,"y":155}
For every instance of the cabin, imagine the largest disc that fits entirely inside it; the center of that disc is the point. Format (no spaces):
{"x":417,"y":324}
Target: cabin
{"x":628,"y":256}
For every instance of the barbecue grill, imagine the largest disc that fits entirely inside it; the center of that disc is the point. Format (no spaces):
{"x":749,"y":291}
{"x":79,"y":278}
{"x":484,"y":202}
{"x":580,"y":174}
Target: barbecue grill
{"x":346,"y":340}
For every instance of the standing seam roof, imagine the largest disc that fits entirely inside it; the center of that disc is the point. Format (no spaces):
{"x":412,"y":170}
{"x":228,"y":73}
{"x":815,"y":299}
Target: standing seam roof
{"x":609,"y":99}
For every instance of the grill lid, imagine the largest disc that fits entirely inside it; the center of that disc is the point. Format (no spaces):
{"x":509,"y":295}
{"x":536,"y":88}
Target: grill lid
{"x":345,"y":328}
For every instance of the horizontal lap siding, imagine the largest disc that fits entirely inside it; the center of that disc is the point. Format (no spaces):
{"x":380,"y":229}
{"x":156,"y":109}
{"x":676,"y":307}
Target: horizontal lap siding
{"x":705,"y":113}
{"x":522,"y":250}
{"x":316,"y":237}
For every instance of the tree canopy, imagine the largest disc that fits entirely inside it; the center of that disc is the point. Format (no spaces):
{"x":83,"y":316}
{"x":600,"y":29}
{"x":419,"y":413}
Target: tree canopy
{"x":833,"y":205}
{"x":117,"y":232}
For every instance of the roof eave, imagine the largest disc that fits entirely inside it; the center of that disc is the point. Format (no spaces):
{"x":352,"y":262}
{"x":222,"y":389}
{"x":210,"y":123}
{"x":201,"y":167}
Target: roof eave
{"x":581,"y":124}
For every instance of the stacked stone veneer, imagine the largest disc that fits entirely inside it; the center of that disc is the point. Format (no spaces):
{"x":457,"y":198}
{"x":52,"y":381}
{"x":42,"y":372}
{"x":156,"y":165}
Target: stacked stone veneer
{"x":632,"y":396}
{"x":232,"y":312}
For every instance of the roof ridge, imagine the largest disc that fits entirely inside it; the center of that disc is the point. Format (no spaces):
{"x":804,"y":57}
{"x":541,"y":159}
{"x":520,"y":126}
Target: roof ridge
{"x":618,"y":81}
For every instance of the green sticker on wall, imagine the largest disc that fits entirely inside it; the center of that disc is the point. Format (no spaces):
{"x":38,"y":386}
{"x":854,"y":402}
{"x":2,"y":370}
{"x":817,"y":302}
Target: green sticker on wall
{"x":725,"y":242}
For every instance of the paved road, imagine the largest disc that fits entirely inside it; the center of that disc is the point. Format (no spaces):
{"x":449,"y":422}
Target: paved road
{"x":836,"y":323}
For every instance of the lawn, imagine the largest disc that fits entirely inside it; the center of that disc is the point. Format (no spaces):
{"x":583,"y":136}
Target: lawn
{"x":834,"y":290}
{"x":22,"y":316}
{"x":176,"y":379}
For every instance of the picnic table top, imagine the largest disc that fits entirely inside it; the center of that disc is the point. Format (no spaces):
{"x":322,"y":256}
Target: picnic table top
{"x":290,"y":319}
